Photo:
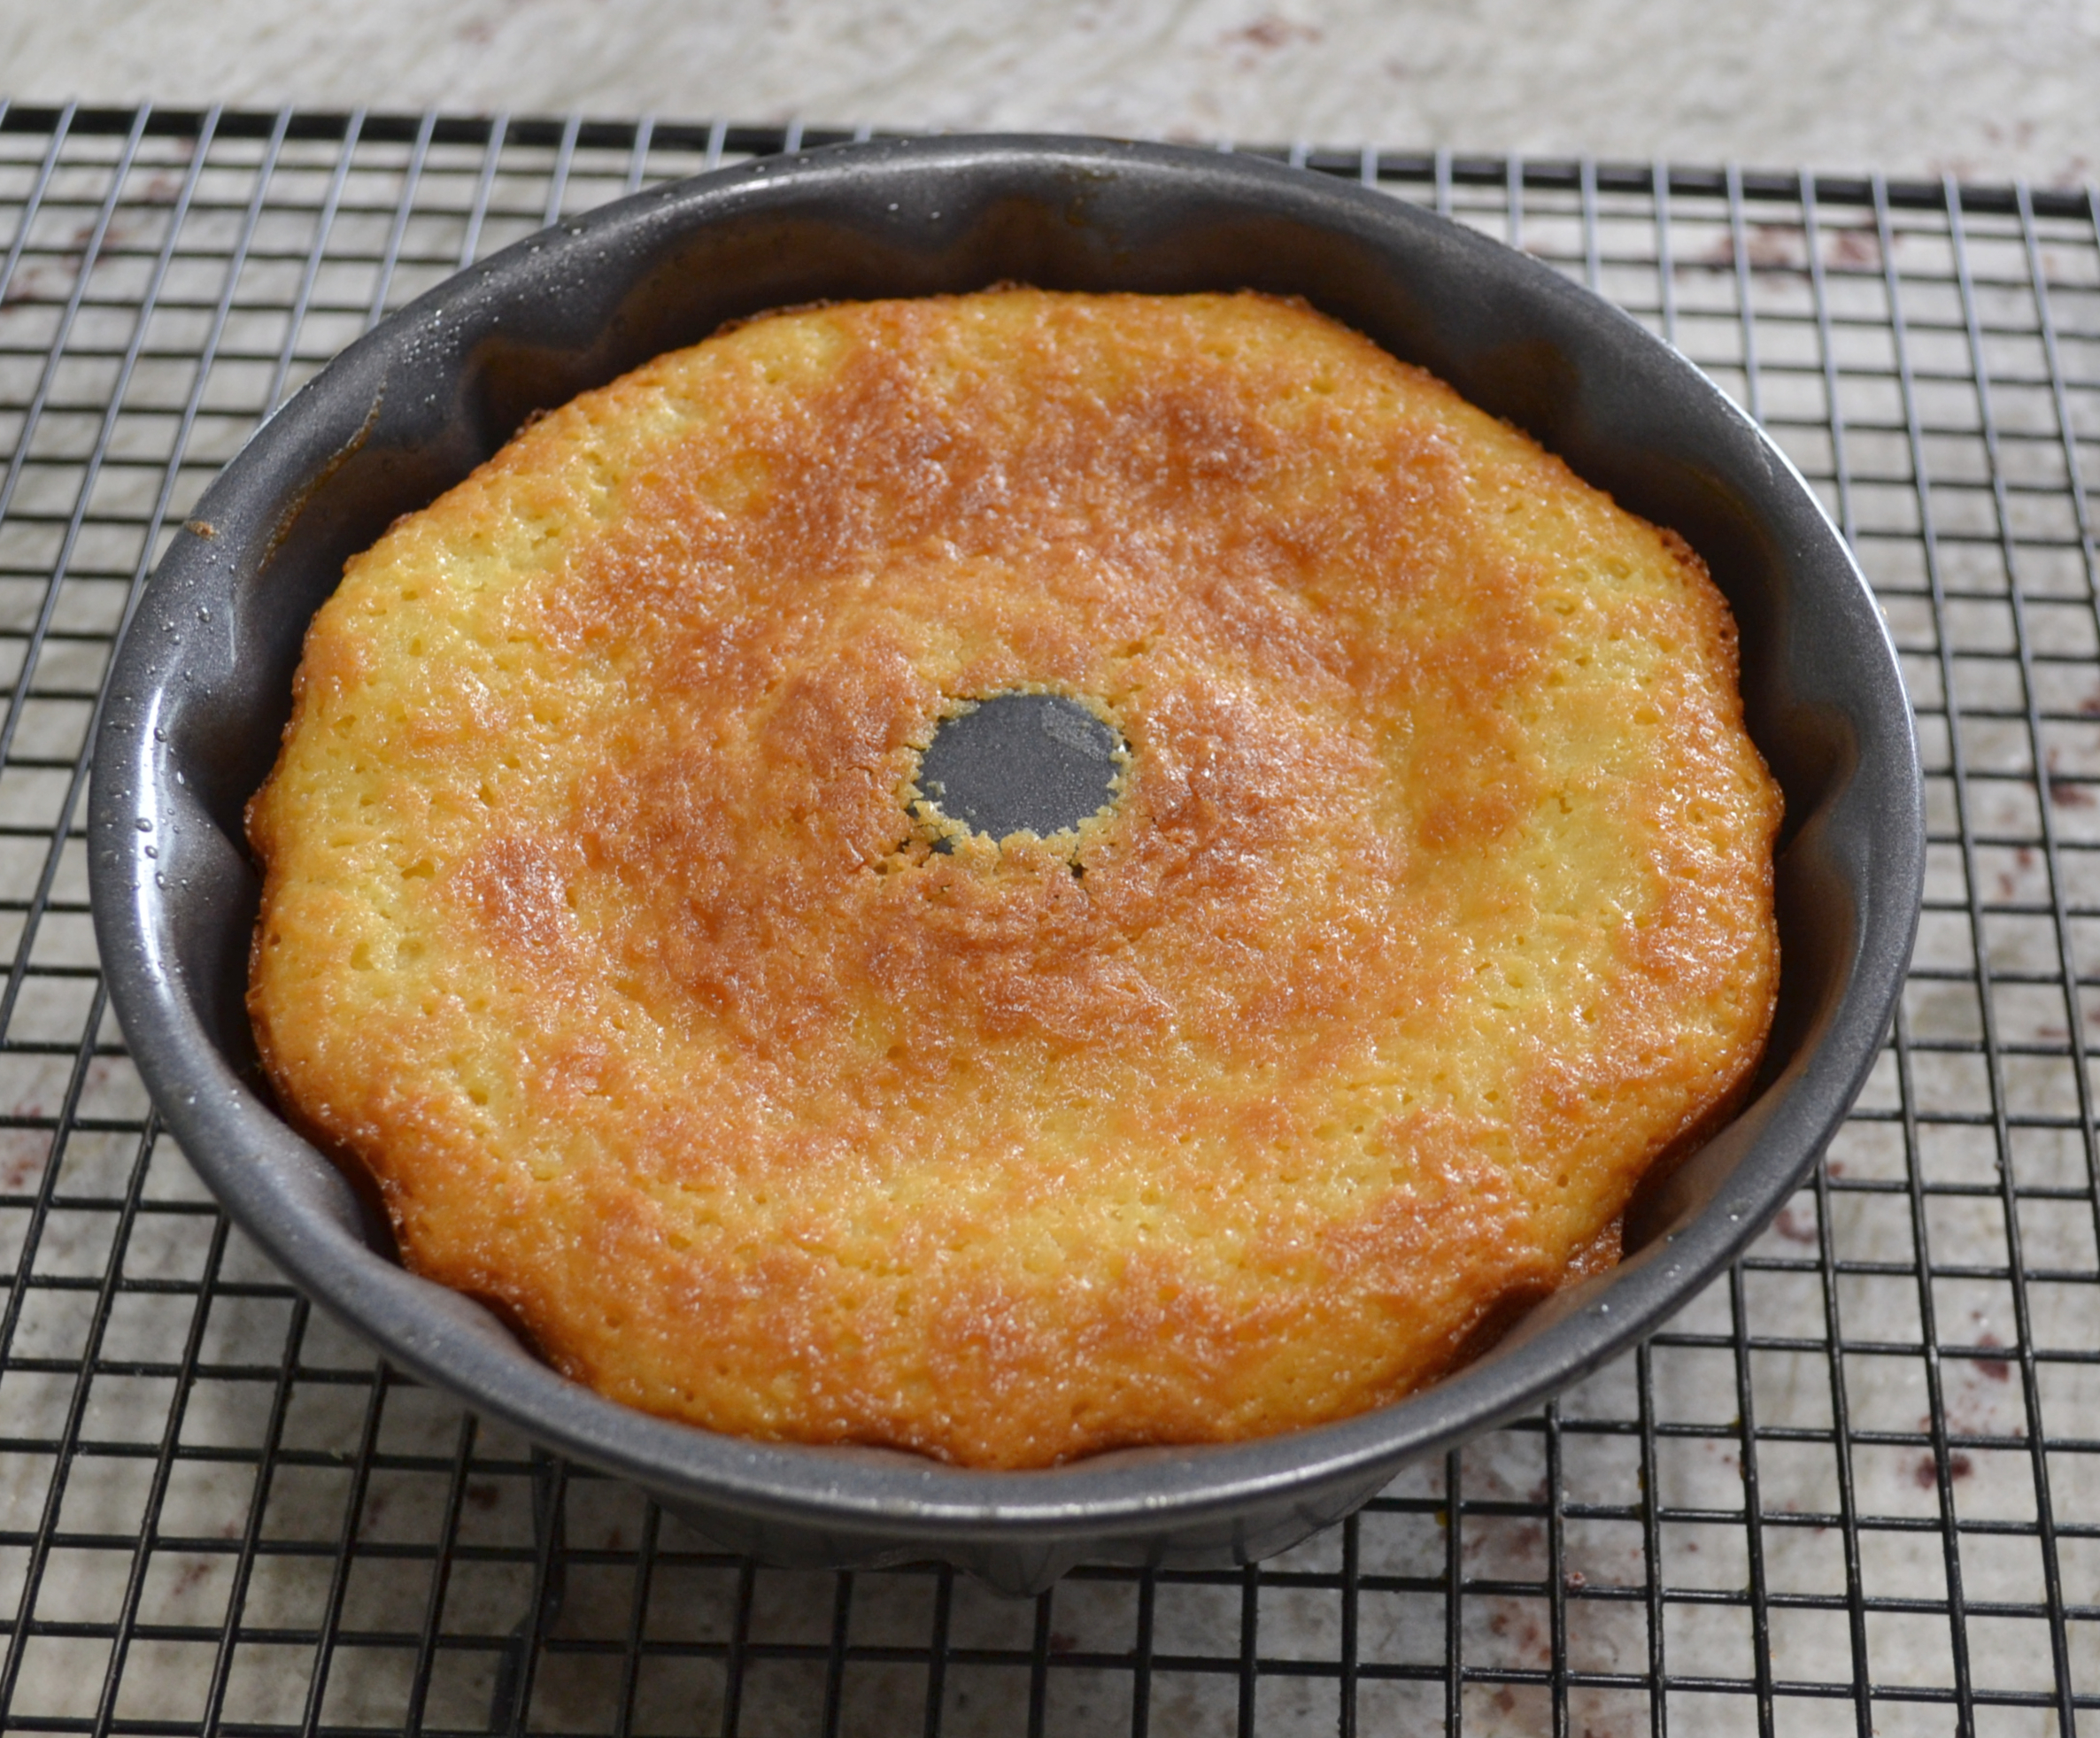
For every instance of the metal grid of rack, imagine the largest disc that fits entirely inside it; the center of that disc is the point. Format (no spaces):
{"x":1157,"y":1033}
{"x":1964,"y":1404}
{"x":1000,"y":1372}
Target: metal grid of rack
{"x":1854,"y":1487}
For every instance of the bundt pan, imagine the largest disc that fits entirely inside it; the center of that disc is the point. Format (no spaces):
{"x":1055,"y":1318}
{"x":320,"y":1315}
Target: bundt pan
{"x":202,"y":686}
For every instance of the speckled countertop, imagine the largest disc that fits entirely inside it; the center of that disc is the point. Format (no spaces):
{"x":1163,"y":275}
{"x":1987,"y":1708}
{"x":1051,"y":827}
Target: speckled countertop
{"x":1987,"y":89}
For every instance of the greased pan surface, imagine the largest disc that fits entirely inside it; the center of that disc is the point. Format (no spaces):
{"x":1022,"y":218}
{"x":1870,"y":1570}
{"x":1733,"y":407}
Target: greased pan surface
{"x":202,"y":686}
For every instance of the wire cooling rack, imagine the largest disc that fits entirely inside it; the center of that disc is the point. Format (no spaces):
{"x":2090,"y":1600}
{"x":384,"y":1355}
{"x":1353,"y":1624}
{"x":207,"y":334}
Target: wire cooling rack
{"x":1854,"y":1487}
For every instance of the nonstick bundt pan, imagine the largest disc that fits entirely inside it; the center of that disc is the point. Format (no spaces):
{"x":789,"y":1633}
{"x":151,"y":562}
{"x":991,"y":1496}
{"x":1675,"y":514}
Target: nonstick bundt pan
{"x":202,"y":686}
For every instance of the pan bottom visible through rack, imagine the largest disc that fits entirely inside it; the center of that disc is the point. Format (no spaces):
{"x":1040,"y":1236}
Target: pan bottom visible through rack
{"x":1854,"y":1487}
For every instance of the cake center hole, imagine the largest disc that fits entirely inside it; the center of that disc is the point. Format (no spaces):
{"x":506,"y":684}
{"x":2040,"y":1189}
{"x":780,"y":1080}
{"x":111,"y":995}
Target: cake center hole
{"x":1021,"y":763}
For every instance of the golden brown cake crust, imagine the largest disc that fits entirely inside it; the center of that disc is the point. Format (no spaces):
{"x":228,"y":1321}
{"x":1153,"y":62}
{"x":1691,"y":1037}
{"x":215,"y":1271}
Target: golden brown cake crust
{"x":1437,"y":903}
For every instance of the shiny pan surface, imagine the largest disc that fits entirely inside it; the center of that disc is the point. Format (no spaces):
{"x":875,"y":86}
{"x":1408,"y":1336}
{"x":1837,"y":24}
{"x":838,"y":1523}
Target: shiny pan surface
{"x":202,"y":686}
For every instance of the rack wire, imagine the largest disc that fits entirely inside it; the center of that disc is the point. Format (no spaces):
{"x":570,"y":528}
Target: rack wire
{"x":1854,"y":1488}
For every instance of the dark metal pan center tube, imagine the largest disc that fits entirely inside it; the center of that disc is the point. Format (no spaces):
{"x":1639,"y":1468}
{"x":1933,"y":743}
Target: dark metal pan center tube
{"x":1022,"y":763}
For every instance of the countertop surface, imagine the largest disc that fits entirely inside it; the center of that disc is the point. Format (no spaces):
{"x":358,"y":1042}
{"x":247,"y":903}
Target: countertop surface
{"x":1854,"y":1487}
{"x":1983,"y":89}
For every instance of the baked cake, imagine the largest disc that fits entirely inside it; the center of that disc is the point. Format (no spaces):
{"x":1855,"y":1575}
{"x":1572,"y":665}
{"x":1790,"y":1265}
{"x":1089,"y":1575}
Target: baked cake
{"x":608,"y":926}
